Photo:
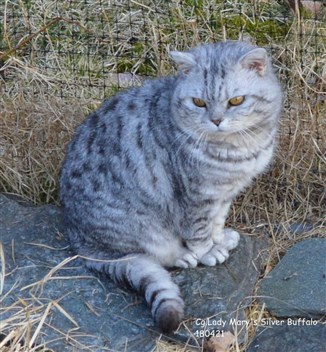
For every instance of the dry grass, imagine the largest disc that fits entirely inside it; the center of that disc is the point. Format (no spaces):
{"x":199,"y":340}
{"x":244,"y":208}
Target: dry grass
{"x":25,"y":319}
{"x":59,"y":63}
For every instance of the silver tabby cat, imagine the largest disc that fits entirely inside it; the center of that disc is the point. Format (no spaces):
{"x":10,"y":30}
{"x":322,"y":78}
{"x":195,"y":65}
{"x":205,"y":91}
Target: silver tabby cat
{"x":149,"y":177}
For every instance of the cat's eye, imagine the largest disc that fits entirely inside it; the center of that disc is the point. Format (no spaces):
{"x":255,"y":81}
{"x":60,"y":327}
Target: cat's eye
{"x":199,"y":102}
{"x":235,"y":101}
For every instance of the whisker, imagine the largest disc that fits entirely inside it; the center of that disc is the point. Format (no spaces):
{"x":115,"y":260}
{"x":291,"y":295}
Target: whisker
{"x":183,"y":138}
{"x":248,"y":133}
{"x":197,"y":147}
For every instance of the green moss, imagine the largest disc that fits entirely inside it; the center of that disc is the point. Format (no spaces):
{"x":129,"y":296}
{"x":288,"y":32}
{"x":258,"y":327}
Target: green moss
{"x":196,"y":4}
{"x":28,"y":4}
{"x":264,"y":31}
{"x":264,"y":22}
{"x":138,"y":60}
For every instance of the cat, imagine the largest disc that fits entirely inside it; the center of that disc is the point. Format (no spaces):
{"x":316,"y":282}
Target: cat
{"x":149,"y":177}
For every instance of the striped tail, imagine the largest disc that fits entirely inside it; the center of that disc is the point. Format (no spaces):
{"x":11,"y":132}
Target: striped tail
{"x":145,"y":275}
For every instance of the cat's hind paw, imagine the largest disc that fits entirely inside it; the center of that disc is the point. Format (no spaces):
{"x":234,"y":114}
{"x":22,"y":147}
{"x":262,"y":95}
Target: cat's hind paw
{"x":189,"y":260}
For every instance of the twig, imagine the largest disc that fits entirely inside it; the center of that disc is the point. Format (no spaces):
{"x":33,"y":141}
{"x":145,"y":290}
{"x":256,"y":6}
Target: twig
{"x":29,"y":38}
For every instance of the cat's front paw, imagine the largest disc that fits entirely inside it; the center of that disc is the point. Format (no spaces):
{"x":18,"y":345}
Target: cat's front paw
{"x":217,"y":255}
{"x":188,"y":260}
{"x":231,"y":238}
{"x":227,"y":238}
{"x":223,"y":243}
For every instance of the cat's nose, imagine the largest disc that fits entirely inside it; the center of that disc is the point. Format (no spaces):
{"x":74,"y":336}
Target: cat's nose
{"x":217,"y":121}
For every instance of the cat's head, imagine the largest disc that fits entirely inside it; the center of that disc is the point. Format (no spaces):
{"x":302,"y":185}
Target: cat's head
{"x":225,"y":88}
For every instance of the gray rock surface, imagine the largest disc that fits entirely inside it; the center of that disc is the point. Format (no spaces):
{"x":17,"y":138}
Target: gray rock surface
{"x":296,"y":287}
{"x":289,"y":338}
{"x":68,"y":308}
{"x":300,"y":228}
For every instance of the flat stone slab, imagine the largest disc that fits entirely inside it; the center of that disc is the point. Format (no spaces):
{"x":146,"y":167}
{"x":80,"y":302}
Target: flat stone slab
{"x":296,"y":287}
{"x":290,"y":338}
{"x":216,"y":297}
{"x":47,"y":292}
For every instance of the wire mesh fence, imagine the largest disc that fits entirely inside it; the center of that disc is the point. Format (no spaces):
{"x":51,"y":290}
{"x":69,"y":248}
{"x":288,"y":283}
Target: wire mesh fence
{"x":81,"y":45}
{"x":60,"y":59}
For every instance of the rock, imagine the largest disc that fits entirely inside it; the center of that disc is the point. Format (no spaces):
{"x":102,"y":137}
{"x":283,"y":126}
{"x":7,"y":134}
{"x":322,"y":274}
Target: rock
{"x":289,"y":338}
{"x":314,"y":6}
{"x":124,"y":80}
{"x":296,"y":286}
{"x":222,"y":292}
{"x":300,"y":228}
{"x":296,"y":228}
{"x":66,"y":307}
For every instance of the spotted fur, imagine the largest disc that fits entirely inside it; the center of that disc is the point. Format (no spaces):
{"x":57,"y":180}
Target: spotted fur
{"x":149,"y":177}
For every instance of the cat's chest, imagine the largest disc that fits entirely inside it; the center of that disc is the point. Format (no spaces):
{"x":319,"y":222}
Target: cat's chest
{"x":226,"y":177}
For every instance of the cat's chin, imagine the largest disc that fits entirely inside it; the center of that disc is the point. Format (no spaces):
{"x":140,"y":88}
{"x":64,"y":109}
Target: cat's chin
{"x":223,"y":134}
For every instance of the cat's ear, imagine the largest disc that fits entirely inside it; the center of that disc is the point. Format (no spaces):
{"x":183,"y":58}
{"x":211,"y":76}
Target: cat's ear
{"x":256,"y":59}
{"x":184,"y":61}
